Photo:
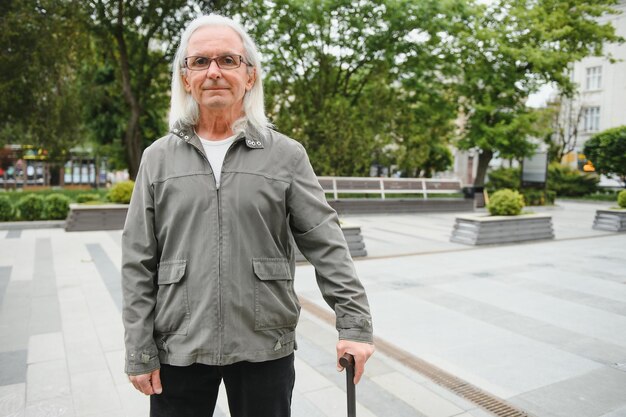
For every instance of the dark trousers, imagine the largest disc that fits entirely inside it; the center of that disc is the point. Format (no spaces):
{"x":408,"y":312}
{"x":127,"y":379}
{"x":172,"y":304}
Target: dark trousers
{"x":254,"y":389}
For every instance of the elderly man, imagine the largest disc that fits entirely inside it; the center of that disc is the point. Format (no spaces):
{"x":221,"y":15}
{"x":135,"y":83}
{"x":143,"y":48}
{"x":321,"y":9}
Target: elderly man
{"x":208,"y":256}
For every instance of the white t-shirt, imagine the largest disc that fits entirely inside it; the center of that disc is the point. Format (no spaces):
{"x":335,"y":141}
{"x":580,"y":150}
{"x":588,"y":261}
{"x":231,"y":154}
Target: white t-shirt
{"x":216,"y":151}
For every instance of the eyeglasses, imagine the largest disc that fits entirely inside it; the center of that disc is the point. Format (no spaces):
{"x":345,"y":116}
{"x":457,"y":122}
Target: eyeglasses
{"x":225,"y":62}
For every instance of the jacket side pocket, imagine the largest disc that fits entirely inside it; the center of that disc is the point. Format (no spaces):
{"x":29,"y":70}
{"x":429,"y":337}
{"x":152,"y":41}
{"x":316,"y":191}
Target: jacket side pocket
{"x":276,"y":305}
{"x":171,"y":314}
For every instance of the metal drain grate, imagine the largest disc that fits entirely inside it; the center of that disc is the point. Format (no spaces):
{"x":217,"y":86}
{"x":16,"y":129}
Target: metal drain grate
{"x":489,"y":402}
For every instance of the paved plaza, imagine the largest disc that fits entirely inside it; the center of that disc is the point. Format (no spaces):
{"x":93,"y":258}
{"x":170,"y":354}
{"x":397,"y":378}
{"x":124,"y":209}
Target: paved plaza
{"x":540,"y":325}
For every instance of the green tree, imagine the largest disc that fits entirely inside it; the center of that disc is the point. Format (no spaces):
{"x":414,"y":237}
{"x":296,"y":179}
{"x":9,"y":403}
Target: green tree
{"x":607,"y":151}
{"x":138,"y":39}
{"x":349,"y":79}
{"x":506,"y":51}
{"x":42,"y":47}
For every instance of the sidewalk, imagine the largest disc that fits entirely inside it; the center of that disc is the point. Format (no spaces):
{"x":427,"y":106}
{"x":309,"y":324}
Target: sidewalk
{"x":540,"y":325}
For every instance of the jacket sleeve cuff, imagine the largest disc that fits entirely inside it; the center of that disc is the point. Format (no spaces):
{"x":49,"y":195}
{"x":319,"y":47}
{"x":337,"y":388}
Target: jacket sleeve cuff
{"x":357,"y":329}
{"x":356,"y":335}
{"x":141,"y":362}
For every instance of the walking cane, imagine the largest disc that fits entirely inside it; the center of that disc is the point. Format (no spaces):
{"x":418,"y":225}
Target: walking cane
{"x":347,"y":361}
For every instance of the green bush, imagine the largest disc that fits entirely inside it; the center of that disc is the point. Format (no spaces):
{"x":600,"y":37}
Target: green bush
{"x":7,"y":213}
{"x":31,"y":207}
{"x":569,"y":182}
{"x":607,"y":151}
{"x":56,"y":206}
{"x":621,"y":199}
{"x":564,"y":181}
{"x":121,"y":192}
{"x":538,"y":197}
{"x":502,"y":178}
{"x":87,"y":197}
{"x":505,"y":203}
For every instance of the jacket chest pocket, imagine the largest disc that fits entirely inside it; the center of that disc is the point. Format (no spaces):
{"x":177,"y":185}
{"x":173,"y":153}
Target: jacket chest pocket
{"x":172,"y":314}
{"x":275,"y":303}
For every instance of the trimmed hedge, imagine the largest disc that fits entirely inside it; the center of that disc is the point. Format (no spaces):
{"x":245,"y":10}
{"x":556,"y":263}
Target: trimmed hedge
{"x":505,"y":203}
{"x":121,"y":192}
{"x":88,"y":197}
{"x":621,"y":199}
{"x":56,"y":207}
{"x":31,"y":207}
{"x":7,"y":213}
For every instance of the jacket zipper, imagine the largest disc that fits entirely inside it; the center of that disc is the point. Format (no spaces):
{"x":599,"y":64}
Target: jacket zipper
{"x":220,"y":323}
{"x":219,"y":252}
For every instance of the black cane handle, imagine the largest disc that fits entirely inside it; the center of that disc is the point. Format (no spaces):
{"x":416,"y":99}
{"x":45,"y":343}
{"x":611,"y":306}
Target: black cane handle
{"x":347,"y":362}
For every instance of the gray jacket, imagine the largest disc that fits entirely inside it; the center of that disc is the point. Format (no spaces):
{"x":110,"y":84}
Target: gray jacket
{"x":207,"y":274}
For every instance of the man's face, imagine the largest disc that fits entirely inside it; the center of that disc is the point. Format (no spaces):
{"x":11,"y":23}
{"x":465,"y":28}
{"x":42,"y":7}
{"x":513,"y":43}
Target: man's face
{"x":214,"y":88}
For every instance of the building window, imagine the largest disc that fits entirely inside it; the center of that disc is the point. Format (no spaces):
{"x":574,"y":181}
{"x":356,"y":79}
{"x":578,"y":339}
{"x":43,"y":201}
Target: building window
{"x":591,"y":119}
{"x":594,"y":78}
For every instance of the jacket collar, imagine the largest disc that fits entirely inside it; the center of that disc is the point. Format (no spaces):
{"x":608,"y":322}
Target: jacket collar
{"x":254,"y":139}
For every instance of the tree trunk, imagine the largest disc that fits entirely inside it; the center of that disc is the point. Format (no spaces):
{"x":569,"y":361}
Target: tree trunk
{"x":132,"y":140}
{"x":132,"y":136}
{"x":483,"y":163}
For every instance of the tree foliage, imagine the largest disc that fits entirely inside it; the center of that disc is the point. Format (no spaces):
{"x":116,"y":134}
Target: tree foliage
{"x":506,"y":51}
{"x":607,"y":151}
{"x":42,"y":46}
{"x":138,"y":39}
{"x":373,"y":82}
{"x":350,"y":78}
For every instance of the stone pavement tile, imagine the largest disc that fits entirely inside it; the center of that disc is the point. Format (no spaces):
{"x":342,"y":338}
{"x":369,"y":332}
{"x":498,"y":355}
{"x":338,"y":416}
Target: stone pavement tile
{"x":94,"y":392}
{"x":13,"y":366}
{"x":85,"y":356}
{"x":510,"y":364}
{"x":420,"y":398}
{"x":12,"y":399}
{"x":108,"y":413}
{"x":571,"y":316}
{"x":13,"y":338}
{"x":108,"y":271}
{"x":581,"y":345}
{"x":51,"y":407}
{"x":448,"y":395}
{"x":22,"y":255}
{"x":134,"y":403}
{"x":308,"y":379}
{"x":376,"y":366}
{"x":102,"y":308}
{"x":379,"y":402}
{"x":46,"y":347}
{"x":576,"y":281}
{"x":332,"y":402}
{"x":476,"y":412}
{"x":593,"y":394}
{"x":44,"y":316}
{"x":322,"y":335}
{"x":620,"y":412}
{"x":596,"y":350}
{"x":5,"y":277}
{"x":115,"y":361}
{"x":302,"y":407}
{"x":111,"y":335}
{"x":46,"y":380}
{"x":221,"y":408}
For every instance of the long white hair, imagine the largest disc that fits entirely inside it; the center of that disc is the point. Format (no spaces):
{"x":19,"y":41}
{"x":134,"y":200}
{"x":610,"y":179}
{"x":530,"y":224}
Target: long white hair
{"x":185,"y":109}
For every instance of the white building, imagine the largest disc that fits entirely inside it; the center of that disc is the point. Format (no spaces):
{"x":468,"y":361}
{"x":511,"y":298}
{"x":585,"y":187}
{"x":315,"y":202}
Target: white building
{"x":601,"y":102}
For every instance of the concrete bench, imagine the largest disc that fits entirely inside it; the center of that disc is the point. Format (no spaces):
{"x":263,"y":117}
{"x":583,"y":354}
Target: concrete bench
{"x":83,"y":217}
